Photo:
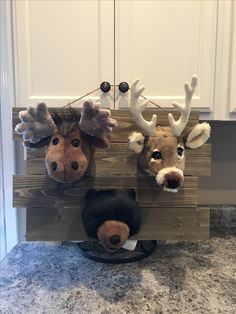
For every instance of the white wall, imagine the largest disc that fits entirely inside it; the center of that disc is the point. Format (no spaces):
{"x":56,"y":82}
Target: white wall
{"x":9,"y":234}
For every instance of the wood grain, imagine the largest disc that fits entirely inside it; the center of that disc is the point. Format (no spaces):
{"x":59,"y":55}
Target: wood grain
{"x":126,"y":123}
{"x":158,"y":223}
{"x":42,"y":191}
{"x":119,"y":160}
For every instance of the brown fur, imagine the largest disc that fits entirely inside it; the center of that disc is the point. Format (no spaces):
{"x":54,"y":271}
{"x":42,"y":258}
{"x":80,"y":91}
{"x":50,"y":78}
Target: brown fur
{"x":64,"y":154}
{"x":110,"y":228}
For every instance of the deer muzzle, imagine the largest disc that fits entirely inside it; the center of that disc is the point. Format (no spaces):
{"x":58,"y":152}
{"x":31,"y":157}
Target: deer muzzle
{"x":170,"y":178}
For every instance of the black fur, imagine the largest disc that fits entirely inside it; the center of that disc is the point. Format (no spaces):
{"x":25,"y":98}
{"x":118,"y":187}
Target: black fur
{"x":103,"y":205}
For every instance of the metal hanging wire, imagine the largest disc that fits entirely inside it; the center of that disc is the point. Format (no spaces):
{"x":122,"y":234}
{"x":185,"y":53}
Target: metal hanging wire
{"x":95,"y":90}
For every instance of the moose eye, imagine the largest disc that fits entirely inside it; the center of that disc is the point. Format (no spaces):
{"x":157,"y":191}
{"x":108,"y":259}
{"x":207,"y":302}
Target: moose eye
{"x":55,"y":141}
{"x":180,"y":151}
{"x":75,"y":142}
{"x":156,"y":155}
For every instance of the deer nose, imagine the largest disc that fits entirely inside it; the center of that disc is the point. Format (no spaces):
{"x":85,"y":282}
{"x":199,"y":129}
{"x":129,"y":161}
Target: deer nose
{"x":115,"y":239}
{"x":172,"y":184}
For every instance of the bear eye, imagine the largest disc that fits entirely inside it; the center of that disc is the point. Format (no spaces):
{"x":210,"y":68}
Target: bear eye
{"x":180,"y":151}
{"x":55,"y":141}
{"x":75,"y":142}
{"x":156,"y":155}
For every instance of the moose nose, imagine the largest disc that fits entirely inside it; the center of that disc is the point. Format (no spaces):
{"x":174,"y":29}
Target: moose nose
{"x":74,"y":165}
{"x":172,"y":184}
{"x":115,"y":239}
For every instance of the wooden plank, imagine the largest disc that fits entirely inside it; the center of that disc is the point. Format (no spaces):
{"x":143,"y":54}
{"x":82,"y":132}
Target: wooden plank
{"x":158,"y":223}
{"x":119,"y":160}
{"x":42,"y":191}
{"x":126,"y":123}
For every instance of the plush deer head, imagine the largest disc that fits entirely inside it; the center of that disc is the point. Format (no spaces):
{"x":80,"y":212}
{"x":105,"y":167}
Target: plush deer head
{"x":70,"y":137}
{"x":161,"y":149}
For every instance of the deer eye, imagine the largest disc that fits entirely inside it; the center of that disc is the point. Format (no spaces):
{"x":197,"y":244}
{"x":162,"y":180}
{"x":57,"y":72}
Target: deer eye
{"x":75,"y":142}
{"x":180,"y":151}
{"x":156,"y":155}
{"x":55,"y":141}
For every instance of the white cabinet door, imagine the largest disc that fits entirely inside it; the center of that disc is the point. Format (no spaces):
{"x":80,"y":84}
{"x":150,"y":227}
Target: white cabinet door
{"x":164,"y":43}
{"x":64,"y":49}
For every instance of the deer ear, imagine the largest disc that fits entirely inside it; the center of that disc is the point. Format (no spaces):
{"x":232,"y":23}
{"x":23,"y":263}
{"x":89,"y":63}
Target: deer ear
{"x":198,"y":135}
{"x":136,"y":142}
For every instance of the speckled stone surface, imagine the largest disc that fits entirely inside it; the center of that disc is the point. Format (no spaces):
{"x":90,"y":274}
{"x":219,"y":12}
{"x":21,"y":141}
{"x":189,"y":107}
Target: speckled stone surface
{"x":223,"y":217}
{"x":180,"y":277}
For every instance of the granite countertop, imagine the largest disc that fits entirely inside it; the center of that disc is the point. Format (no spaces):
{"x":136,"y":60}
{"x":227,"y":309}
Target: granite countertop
{"x":180,"y":277}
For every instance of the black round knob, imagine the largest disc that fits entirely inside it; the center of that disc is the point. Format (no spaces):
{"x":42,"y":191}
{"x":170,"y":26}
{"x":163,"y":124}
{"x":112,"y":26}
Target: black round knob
{"x":123,"y":87}
{"x":105,"y":87}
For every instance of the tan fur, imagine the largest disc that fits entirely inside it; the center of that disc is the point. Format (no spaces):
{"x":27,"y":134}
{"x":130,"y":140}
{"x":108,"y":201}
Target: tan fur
{"x":171,"y":165}
{"x":167,"y":144}
{"x":110,"y":228}
{"x":162,"y":152}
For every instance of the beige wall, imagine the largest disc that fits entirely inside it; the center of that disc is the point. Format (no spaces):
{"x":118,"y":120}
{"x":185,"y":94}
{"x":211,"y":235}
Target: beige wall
{"x":220,"y":187}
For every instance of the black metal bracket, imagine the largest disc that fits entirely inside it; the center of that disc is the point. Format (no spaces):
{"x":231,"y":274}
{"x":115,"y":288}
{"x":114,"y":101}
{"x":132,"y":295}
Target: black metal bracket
{"x":95,"y":251}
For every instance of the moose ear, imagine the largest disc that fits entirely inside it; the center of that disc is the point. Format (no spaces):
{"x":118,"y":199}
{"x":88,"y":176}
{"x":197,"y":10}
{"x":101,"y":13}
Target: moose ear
{"x":42,"y":143}
{"x":136,"y":142}
{"x":98,"y":142}
{"x":198,"y":135}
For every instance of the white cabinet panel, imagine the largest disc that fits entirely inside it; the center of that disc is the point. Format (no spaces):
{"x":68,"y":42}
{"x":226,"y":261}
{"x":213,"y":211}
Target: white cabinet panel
{"x":164,"y":43}
{"x":64,"y":49}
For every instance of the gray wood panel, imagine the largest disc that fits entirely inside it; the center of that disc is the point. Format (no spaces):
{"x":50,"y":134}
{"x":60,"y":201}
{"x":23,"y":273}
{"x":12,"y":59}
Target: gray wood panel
{"x":125,"y":121}
{"x":42,"y":191}
{"x":119,"y":160}
{"x":158,"y":223}
{"x":53,"y":210}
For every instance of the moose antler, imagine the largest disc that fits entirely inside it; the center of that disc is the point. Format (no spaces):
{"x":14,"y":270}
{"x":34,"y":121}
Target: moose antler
{"x":136,"y":109}
{"x":96,"y":121}
{"x":178,"y":126}
{"x":36,"y":123}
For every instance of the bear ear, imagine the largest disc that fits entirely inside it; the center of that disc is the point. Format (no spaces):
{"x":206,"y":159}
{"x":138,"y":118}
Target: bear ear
{"x":91,"y":193}
{"x":131,"y":193}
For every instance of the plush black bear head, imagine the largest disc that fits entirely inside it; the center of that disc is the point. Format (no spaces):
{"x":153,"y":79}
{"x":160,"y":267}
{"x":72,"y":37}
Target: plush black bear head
{"x":111,"y":216}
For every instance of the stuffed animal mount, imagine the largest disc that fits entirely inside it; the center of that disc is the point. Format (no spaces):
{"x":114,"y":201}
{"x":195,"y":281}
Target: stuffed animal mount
{"x":111,"y":216}
{"x":162,"y":149}
{"x":54,"y":211}
{"x":69,"y":136}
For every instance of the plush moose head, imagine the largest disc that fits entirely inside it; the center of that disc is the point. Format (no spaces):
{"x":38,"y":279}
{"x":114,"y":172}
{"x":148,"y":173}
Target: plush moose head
{"x":70,"y":137}
{"x":111,"y":216}
{"x":161,"y":149}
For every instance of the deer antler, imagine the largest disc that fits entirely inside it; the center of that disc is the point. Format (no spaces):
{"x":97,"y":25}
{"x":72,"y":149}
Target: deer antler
{"x":96,"y":121}
{"x":36,"y":123}
{"x":136,"y":109}
{"x":178,"y":126}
